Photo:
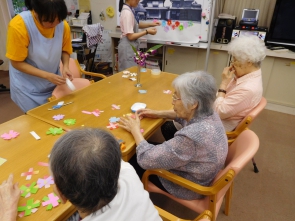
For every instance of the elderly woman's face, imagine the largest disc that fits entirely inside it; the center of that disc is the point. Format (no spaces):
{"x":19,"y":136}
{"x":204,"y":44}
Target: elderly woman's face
{"x":240,"y":68}
{"x":179,"y":108}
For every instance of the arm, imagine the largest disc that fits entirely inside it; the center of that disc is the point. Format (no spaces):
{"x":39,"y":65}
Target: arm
{"x":31,"y":70}
{"x":9,"y":196}
{"x":167,"y":114}
{"x":66,"y":51}
{"x":142,"y":25}
{"x":227,"y":76}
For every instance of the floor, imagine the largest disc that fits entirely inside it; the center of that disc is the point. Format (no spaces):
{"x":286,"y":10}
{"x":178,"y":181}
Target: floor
{"x":264,"y":196}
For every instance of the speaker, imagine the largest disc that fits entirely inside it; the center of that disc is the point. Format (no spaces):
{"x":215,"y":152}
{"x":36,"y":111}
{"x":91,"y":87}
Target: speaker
{"x":224,"y":30}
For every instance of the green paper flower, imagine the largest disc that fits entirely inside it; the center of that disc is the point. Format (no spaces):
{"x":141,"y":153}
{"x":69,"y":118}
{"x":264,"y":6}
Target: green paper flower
{"x":70,"y":121}
{"x":190,"y":23}
{"x":28,"y":208}
{"x":54,"y":131}
{"x":180,"y":27}
{"x":31,"y":189}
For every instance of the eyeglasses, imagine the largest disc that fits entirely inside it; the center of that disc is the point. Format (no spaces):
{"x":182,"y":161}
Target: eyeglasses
{"x":175,"y":98}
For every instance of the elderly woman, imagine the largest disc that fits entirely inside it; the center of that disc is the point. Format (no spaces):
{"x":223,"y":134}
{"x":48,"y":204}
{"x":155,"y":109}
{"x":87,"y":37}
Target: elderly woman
{"x":196,"y":152}
{"x":241,"y":86}
{"x":88,"y":171}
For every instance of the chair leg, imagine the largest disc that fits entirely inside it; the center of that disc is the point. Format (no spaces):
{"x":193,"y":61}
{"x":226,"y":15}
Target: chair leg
{"x":255,"y":167}
{"x":228,"y":196}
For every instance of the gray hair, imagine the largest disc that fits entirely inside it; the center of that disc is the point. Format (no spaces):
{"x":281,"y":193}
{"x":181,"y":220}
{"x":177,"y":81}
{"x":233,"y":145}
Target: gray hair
{"x":197,"y":87}
{"x":85,"y":164}
{"x":248,"y":49}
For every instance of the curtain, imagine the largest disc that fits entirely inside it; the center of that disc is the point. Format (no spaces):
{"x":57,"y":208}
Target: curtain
{"x":235,"y":7}
{"x":5,"y":16}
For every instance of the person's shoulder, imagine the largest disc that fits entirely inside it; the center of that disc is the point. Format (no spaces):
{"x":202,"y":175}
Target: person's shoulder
{"x":17,"y":22}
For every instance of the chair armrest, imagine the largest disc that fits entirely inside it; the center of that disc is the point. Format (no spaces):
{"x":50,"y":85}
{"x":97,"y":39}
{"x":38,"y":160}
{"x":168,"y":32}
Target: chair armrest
{"x":93,"y":74}
{"x":203,"y":190}
{"x":206,"y":215}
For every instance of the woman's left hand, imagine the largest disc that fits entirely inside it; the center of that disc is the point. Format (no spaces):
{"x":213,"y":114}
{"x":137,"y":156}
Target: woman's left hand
{"x":130,"y":124}
{"x":66,"y":73}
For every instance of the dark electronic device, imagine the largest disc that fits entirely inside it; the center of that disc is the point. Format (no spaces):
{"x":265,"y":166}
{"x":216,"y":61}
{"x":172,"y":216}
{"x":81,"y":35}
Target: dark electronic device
{"x":224,"y":30}
{"x":249,"y":17}
{"x":282,"y":29}
{"x":260,"y":32}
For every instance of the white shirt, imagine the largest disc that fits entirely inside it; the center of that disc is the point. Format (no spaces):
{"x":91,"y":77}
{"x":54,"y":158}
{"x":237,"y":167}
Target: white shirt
{"x":132,"y":202}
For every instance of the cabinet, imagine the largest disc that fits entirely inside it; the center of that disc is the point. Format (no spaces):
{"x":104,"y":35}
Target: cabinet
{"x":76,"y":31}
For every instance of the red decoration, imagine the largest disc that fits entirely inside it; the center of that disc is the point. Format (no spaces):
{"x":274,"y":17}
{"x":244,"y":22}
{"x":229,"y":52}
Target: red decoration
{"x":169,"y":22}
{"x":177,"y":23}
{"x":173,"y":26}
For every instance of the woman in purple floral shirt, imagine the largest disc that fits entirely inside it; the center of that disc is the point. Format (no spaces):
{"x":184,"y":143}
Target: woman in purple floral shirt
{"x":197,"y":152}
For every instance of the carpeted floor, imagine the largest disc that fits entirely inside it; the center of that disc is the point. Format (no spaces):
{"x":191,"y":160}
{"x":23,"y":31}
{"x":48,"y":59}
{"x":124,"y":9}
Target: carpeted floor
{"x":265,"y":196}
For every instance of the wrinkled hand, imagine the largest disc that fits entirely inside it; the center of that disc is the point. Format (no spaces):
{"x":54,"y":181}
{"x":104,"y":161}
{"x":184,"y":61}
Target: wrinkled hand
{"x":9,"y":196}
{"x":130,"y":124}
{"x":66,"y":73}
{"x":154,"y":24}
{"x":56,"y":79}
{"x":227,"y":75}
{"x":152,"y":31}
{"x":147,"y":113}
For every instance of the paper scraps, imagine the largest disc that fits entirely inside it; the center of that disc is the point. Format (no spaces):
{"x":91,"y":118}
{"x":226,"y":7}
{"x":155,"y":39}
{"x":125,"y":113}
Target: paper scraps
{"x":28,"y":189}
{"x":29,"y":173}
{"x":130,"y":115}
{"x":142,"y":91}
{"x":35,"y":135}
{"x":132,"y":79}
{"x":112,"y":126}
{"x":115,"y":107}
{"x":70,"y":121}
{"x":46,"y":182}
{"x":50,"y":201}
{"x":2,"y":160}
{"x":96,"y":112}
{"x":121,"y":143}
{"x":114,"y":119}
{"x":54,"y":131}
{"x":58,"y":117}
{"x":10,"y":135}
{"x":43,"y":164}
{"x":29,"y":208}
{"x":167,"y":92}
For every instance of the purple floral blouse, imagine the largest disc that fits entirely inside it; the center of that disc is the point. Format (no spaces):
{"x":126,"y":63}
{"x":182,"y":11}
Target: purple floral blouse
{"x":197,"y":153}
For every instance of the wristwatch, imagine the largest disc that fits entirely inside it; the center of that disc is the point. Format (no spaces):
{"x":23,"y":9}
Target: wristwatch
{"x":146,"y":31}
{"x":221,"y":90}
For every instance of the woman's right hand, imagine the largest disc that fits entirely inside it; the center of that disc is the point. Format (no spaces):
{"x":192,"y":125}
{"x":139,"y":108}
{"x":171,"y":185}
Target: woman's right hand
{"x":56,"y":79}
{"x":227,"y":75}
{"x":152,"y":31}
{"x":147,"y":113}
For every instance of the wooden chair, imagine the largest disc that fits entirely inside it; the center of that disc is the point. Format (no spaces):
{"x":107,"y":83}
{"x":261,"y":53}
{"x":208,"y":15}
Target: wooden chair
{"x":244,"y":125}
{"x":78,"y":81}
{"x":166,"y":216}
{"x":239,"y":154}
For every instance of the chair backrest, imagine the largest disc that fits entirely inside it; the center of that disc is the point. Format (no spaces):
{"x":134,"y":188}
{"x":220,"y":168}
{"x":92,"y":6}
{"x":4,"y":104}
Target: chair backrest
{"x":73,"y":68}
{"x":239,"y":154}
{"x":89,"y":58}
{"x":245,"y":123}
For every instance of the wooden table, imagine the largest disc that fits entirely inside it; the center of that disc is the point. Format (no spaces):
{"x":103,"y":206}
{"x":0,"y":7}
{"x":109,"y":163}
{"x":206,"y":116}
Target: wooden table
{"x":112,"y":90}
{"x":24,"y":152}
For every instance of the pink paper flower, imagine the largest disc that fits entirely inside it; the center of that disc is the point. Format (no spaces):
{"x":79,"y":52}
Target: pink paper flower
{"x":10,"y":135}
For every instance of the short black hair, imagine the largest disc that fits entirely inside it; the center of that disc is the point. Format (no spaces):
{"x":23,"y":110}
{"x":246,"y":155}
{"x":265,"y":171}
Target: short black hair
{"x":48,"y":10}
{"x":85,"y":164}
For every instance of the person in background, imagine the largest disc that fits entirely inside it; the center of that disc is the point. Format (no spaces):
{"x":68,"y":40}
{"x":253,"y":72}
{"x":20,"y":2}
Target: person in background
{"x":37,"y":40}
{"x":130,"y":35}
{"x":241,"y":87}
{"x":88,"y":171}
{"x":197,"y":152}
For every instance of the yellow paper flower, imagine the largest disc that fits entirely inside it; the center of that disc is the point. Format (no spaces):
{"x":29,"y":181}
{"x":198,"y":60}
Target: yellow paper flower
{"x":110,"y":11}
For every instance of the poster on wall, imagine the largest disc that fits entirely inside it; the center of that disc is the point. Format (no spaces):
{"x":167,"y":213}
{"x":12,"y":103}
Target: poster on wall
{"x":72,"y":5}
{"x":183,"y":21}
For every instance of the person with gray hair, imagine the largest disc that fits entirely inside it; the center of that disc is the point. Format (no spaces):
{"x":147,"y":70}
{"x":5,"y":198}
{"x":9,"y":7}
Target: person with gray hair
{"x":241,"y":87}
{"x":197,"y":152}
{"x":88,"y":171}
